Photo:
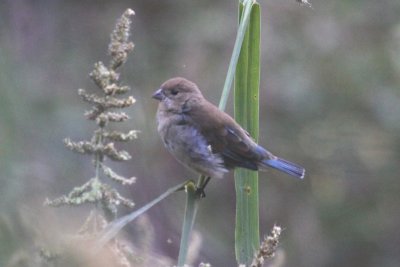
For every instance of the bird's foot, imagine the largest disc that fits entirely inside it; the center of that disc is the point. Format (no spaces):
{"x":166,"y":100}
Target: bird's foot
{"x":200,"y":190}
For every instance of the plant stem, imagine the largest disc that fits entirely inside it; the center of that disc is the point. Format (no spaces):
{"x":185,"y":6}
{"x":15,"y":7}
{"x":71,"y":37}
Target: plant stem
{"x":192,"y":201}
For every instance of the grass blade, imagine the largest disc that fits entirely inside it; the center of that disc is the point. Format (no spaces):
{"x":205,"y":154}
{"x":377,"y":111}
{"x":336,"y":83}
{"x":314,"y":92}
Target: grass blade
{"x":247,"y":81}
{"x":113,"y":228}
{"x":244,"y":22}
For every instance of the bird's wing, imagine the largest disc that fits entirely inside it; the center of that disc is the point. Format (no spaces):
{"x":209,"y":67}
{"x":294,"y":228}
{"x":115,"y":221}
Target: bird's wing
{"x":239,"y":149}
{"x":227,"y":137}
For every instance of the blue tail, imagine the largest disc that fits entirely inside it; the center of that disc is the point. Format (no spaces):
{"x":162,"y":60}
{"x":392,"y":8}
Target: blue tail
{"x":285,"y":166}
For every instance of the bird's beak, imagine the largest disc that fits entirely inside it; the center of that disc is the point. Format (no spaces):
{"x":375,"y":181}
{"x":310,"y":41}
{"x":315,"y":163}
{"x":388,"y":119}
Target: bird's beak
{"x":158,"y":95}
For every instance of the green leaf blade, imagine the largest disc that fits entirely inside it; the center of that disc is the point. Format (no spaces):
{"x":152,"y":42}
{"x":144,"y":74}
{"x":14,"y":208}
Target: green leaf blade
{"x":247,"y":81}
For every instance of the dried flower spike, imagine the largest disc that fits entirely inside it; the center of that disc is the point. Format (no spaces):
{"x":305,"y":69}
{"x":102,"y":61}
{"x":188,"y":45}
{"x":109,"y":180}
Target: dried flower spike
{"x":268,"y":247}
{"x":105,"y":104}
{"x":120,"y":46}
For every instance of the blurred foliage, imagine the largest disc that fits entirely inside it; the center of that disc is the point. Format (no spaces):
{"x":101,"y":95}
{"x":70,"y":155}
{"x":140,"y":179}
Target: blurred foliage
{"x":329,"y":101}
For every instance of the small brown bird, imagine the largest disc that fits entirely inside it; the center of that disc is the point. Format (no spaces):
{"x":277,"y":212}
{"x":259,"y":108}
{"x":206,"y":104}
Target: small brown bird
{"x":206,"y":139}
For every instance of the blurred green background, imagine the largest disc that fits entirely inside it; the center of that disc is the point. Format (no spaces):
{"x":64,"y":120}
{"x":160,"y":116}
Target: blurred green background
{"x":330,"y":101}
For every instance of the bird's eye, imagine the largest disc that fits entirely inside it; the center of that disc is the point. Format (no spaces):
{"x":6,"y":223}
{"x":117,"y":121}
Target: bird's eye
{"x":174,"y":91}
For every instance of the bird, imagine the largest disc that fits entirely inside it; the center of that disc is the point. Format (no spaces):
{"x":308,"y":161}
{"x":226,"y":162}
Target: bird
{"x":206,"y":139}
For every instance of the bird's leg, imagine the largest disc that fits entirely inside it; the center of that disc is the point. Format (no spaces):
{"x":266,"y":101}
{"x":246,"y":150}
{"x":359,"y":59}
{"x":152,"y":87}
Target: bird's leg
{"x":201,"y":186}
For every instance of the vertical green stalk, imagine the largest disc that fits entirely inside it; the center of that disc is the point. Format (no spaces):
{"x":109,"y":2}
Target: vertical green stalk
{"x":247,"y":82}
{"x":192,"y":203}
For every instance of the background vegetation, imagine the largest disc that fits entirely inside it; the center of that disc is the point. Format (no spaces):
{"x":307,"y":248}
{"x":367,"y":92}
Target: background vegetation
{"x":329,"y":100}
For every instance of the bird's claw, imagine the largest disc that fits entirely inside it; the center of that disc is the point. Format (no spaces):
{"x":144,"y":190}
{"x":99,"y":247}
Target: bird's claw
{"x":200,"y":192}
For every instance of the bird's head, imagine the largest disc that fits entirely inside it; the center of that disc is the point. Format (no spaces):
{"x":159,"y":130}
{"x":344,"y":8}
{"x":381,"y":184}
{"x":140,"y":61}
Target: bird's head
{"x":176,"y":92}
